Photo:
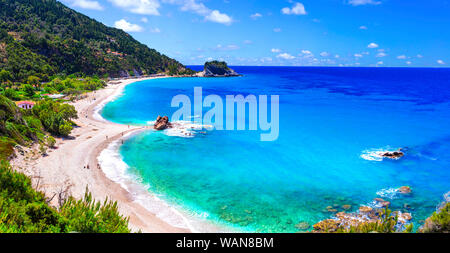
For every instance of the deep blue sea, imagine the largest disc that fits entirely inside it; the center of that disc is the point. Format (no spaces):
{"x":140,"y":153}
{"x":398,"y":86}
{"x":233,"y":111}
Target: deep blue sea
{"x":333,"y":121}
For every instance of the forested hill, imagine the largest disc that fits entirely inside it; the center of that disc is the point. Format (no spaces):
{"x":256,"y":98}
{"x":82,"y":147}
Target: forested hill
{"x":44,"y":37}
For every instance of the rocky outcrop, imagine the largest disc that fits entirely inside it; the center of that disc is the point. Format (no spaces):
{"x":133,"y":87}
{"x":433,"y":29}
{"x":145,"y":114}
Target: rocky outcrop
{"x":366,"y":220}
{"x":365,"y":209}
{"x":381,"y":202}
{"x":404,"y":190}
{"x":326,"y":226}
{"x":393,"y":155}
{"x":217,"y":69}
{"x":439,"y":221}
{"x":162,"y":123}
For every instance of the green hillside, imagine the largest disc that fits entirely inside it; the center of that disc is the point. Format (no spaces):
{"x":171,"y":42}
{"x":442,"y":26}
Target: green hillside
{"x":44,"y":37}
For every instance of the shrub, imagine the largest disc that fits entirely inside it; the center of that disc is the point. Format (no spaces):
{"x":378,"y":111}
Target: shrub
{"x":439,"y":222}
{"x":51,"y":141}
{"x":24,"y":210}
{"x":88,"y":216}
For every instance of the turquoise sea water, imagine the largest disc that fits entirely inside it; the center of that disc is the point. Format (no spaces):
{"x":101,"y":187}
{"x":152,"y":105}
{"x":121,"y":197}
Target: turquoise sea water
{"x":331,"y":121}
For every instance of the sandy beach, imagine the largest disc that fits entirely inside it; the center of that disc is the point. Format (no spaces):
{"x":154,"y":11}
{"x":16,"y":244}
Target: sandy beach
{"x":73,"y":165}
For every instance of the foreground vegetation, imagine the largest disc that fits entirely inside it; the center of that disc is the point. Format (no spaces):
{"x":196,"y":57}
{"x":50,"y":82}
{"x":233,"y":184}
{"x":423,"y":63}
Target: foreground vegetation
{"x":439,"y":221}
{"x":388,"y":222}
{"x":25,"y":210}
{"x":25,"y":127}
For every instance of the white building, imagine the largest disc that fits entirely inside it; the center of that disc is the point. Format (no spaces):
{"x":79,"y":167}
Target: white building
{"x":25,"y":104}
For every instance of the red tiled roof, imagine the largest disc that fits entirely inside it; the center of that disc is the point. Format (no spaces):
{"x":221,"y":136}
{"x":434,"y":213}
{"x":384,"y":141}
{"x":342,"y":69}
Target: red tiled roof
{"x":25,"y":102}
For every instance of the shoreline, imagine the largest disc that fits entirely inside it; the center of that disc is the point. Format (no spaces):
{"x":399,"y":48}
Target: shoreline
{"x":65,"y":167}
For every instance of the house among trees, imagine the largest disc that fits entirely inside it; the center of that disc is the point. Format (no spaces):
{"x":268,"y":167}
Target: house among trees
{"x":25,"y":104}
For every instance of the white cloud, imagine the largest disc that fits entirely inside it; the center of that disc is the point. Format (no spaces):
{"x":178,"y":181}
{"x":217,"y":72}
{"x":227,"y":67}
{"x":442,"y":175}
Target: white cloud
{"x":227,"y":48}
{"x":381,"y":54}
{"x":380,"y":63}
{"x":216,"y":16}
{"x":275,"y":50}
{"x":419,"y":56}
{"x":155,"y":30}
{"x":277,"y":30}
{"x":87,"y":4}
{"x":256,"y":16}
{"x":401,"y":57}
{"x":266,"y":59}
{"x":363,"y":2}
{"x":127,"y":27}
{"x":144,"y":7}
{"x":337,"y":56}
{"x":408,"y":62}
{"x":372,"y":45}
{"x":440,"y":62}
{"x":306,"y":54}
{"x":144,"y":19}
{"x":363,"y":27}
{"x":200,"y":9}
{"x":285,"y":56}
{"x":248,"y":42}
{"x":358,"y":55}
{"x":297,"y":9}
{"x":150,"y":7}
{"x":324,"y":54}
{"x":192,"y":5}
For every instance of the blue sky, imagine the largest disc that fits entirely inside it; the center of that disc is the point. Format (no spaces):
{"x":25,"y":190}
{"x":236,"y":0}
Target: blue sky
{"x":386,"y":33}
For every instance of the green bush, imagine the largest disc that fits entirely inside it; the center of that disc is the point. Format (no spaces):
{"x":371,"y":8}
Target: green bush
{"x":24,"y":210}
{"x":6,"y":148}
{"x":51,"y":141}
{"x":88,"y":216}
{"x":55,"y":117}
{"x":439,"y":222}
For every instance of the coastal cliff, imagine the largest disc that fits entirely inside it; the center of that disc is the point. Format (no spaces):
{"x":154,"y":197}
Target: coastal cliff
{"x":216,"y":69}
{"x":49,"y":38}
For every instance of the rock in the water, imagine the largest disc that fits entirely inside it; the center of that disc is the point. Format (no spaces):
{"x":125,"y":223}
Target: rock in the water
{"x":382,"y":202}
{"x":346,"y":207}
{"x":326,"y":226}
{"x":303,"y":225}
{"x":404,"y":189}
{"x":217,"y":69}
{"x":162,"y":123}
{"x":393,"y":155}
{"x":365,"y":209}
{"x":406,"y":216}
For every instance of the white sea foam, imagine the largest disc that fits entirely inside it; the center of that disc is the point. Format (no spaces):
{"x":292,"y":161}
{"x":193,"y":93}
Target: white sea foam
{"x":185,"y":129}
{"x":116,"y":169}
{"x":390,"y":193}
{"x":376,"y":154}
